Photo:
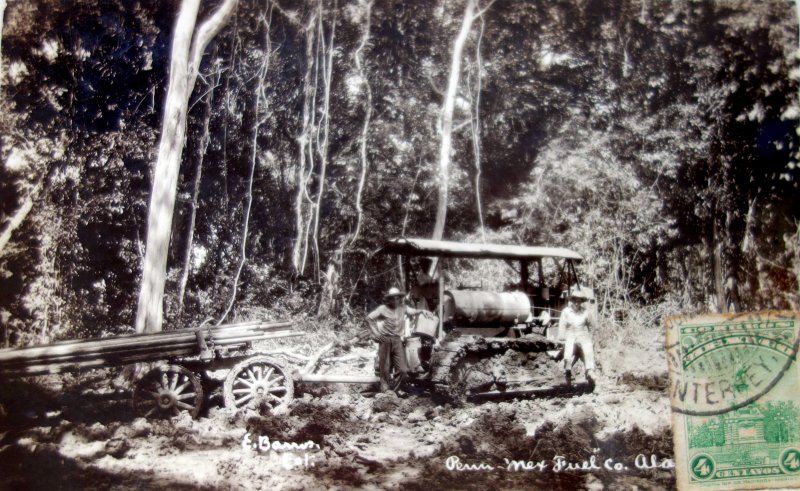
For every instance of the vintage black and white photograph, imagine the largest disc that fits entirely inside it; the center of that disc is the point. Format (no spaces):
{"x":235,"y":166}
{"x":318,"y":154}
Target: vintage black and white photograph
{"x":381,"y":244}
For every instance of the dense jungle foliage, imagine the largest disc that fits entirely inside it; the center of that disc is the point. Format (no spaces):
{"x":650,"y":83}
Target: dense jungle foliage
{"x":656,"y":138}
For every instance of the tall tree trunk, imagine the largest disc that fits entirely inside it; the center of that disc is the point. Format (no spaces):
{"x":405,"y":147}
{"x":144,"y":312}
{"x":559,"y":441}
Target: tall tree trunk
{"x":365,"y":127}
{"x":446,"y":125}
{"x":322,"y":146}
{"x":2,"y":12}
{"x":446,"y":120}
{"x":792,"y":244}
{"x":733,"y":260}
{"x":260,"y":105}
{"x":311,"y":143}
{"x":476,"y":130}
{"x":228,"y":104}
{"x":332,"y":299}
{"x":187,"y":53}
{"x":246,"y":222}
{"x":198,"y":174}
{"x":719,"y":285}
{"x":303,"y":142}
{"x":797,"y":15}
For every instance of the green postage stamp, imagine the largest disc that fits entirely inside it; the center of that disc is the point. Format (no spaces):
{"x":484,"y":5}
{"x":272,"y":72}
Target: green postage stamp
{"x":735,"y":396}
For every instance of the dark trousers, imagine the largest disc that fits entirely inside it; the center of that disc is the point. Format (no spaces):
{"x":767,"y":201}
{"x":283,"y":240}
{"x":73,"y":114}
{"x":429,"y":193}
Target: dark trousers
{"x":391,"y":355}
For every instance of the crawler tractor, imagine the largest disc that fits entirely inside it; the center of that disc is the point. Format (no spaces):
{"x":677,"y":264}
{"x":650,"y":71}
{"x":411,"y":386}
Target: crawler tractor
{"x":482,"y":342}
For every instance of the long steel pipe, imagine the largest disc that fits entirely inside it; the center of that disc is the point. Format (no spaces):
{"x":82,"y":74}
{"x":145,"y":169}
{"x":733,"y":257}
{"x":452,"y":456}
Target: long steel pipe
{"x":109,"y":344}
{"x":189,"y":345}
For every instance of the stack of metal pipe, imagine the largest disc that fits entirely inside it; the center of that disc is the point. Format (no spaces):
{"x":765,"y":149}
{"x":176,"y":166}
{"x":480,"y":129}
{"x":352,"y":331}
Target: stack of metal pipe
{"x":135,"y":348}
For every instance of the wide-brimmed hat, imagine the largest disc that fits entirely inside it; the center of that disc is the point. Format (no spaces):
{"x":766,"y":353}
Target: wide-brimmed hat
{"x":581,"y":292}
{"x":393,"y":292}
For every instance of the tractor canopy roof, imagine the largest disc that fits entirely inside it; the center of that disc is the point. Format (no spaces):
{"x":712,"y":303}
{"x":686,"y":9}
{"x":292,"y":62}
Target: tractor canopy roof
{"x":443,"y":248}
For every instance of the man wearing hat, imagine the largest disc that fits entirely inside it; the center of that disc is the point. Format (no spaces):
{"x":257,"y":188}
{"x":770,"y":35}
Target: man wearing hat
{"x":387,"y":324}
{"x":573,"y":330}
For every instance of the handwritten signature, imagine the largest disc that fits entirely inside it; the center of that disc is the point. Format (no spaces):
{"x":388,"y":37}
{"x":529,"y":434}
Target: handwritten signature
{"x":559,"y":463}
{"x":288,"y":450}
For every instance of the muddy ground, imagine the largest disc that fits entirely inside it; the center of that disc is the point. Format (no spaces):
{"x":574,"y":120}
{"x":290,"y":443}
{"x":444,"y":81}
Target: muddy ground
{"x":77,"y":431}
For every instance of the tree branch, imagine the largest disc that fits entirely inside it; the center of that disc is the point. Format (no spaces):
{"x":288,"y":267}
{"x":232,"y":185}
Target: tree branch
{"x":483,"y":10}
{"x":19,"y":216}
{"x":292,"y":17}
{"x":205,"y":33}
{"x":462,"y":125}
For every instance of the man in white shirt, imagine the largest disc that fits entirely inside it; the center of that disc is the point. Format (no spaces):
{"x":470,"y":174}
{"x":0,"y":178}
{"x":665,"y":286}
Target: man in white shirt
{"x":573,"y":330}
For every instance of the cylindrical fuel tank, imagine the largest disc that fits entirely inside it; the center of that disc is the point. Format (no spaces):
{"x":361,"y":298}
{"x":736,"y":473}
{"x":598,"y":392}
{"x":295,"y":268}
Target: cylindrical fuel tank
{"x":486,"y":309}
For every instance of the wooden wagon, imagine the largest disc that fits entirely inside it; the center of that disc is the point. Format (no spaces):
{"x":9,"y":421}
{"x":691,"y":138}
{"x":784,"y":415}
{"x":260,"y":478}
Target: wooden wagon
{"x":178,"y":362}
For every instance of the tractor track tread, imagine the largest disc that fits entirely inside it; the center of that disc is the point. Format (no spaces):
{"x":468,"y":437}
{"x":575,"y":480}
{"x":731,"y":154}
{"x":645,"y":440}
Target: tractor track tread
{"x":452,"y":351}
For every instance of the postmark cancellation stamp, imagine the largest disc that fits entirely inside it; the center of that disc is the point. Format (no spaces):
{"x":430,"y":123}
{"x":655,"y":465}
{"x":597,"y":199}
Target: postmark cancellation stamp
{"x":735,"y":398}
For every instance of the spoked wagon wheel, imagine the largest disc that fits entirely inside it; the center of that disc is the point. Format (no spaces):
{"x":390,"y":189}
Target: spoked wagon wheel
{"x":166,"y":391}
{"x":258,"y":379}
